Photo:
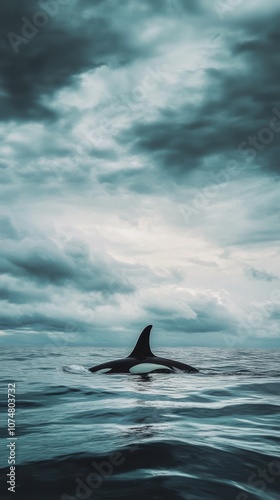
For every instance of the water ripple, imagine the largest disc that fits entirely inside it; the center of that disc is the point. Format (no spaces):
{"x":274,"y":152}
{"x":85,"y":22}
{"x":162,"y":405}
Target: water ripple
{"x":205,"y":436}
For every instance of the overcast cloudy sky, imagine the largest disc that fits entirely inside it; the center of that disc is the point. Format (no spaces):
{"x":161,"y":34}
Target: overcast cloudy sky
{"x":140,"y":145}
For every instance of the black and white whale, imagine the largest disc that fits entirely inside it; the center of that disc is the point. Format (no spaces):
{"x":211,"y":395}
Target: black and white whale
{"x":142,"y":361}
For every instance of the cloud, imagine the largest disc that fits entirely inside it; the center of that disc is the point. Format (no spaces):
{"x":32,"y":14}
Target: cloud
{"x":15,"y":292}
{"x":139,"y":170}
{"x":237,"y":100}
{"x":43,"y":261}
{"x":7,"y":230}
{"x":261,"y":275}
{"x":48,"y":58}
{"x":40,"y":281}
{"x":176,"y":309}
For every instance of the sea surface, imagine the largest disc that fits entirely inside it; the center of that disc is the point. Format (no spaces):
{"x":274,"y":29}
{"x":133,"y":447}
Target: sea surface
{"x":210,"y":435}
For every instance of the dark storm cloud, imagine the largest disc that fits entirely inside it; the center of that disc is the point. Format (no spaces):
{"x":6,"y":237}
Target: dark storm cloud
{"x":48,"y":58}
{"x":238,"y":116}
{"x":266,"y":231}
{"x":43,"y":286}
{"x":13,"y":292}
{"x":38,"y":321}
{"x":202,"y":324}
{"x":44,"y":262}
{"x":257,"y":274}
{"x":210,"y":317}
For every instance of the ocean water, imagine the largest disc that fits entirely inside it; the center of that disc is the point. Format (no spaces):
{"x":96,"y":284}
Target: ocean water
{"x":211,"y":435}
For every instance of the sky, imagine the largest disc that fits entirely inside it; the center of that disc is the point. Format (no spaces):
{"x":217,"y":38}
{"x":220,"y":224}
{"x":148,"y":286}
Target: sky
{"x":140,"y":145}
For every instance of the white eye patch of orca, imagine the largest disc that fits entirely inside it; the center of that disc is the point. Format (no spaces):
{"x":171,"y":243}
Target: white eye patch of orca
{"x":147,"y":368}
{"x":104,"y":370}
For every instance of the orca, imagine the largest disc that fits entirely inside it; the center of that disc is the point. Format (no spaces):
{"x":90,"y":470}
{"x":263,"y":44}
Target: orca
{"x":141,"y":361}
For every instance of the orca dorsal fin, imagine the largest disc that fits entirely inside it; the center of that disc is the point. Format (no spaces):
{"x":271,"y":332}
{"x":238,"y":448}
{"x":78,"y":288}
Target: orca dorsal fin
{"x":142,"y":349}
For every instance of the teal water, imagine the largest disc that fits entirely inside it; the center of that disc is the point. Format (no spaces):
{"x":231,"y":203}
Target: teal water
{"x":211,"y":435}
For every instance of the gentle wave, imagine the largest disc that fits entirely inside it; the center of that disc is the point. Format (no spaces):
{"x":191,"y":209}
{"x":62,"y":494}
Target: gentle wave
{"x":157,"y":470}
{"x":75,"y":369}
